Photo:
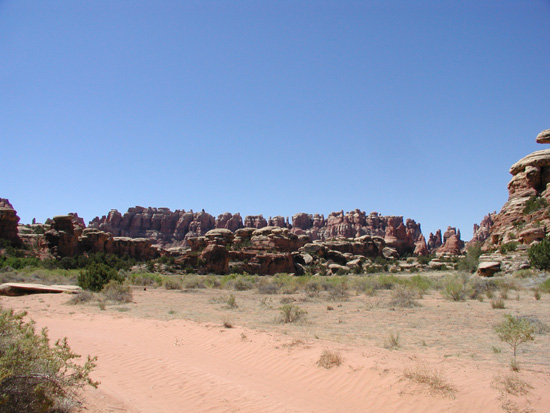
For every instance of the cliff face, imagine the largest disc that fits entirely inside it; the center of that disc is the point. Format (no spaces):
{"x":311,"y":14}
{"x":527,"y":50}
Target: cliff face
{"x":169,"y":228}
{"x":524,"y":217}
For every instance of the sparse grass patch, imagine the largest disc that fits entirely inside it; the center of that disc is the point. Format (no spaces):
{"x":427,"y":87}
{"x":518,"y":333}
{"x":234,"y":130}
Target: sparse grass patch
{"x":431,"y":378}
{"x":524,"y":274}
{"x":329,"y":359}
{"x":512,"y":384}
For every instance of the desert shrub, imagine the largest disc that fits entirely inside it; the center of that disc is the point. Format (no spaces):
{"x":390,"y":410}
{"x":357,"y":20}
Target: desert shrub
{"x":35,"y":377}
{"x":477,"y":286}
{"x":471,"y":261}
{"x":191,"y":281}
{"x":81,"y":298}
{"x":329,"y":359}
{"x":508,"y":247}
{"x":515,"y":331}
{"x":420,"y":283}
{"x":539,"y":254}
{"x":117,"y":292}
{"x":268,"y":287}
{"x":96,"y":276}
{"x":145,"y":279}
{"x":386,"y":282}
{"x":337,"y":291}
{"x":212,"y":281}
{"x":313,"y":287}
{"x":172,"y":283}
{"x":291,"y":313}
{"x":404,"y":297}
{"x":455,"y":287}
{"x":534,"y":204}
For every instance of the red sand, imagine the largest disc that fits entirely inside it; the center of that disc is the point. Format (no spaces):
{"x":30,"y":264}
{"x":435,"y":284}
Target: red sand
{"x":147,"y":365}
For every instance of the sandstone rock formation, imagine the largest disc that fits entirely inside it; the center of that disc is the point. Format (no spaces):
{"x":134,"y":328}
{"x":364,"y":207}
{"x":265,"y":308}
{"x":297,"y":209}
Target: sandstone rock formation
{"x":8,"y":223}
{"x":168,"y":228}
{"x":524,"y":217}
{"x":544,"y":136}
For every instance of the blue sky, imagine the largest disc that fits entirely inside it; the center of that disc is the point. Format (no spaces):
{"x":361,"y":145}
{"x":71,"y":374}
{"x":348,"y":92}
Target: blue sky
{"x":413,"y":108}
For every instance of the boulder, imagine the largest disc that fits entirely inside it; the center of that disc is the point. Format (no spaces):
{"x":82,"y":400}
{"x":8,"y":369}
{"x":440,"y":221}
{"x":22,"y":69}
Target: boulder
{"x":220,"y":236}
{"x":544,"y":136}
{"x":215,"y":259}
{"x":488,"y":269}
{"x":528,"y":235}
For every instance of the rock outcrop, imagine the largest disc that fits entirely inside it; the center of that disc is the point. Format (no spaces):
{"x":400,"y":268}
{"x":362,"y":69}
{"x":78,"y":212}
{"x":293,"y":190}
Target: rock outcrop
{"x":68,"y":238}
{"x":524,"y":217}
{"x":8,"y":223}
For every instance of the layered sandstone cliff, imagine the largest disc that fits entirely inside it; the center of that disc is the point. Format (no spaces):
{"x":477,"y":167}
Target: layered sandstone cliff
{"x":525,"y":216}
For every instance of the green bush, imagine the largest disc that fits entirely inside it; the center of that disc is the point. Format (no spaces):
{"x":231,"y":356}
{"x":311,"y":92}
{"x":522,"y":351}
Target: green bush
{"x":96,"y":276}
{"x":534,"y":204}
{"x":35,"y":377}
{"x":508,"y":247}
{"x":539,"y":255}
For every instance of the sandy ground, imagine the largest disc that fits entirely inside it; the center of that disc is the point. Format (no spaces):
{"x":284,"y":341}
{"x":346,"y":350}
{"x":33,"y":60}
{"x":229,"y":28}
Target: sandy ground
{"x":169,"y":351}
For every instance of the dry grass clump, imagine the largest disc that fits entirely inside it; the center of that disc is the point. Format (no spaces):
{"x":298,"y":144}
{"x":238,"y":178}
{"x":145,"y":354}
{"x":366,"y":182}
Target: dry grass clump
{"x":512,"y":384}
{"x":404,"y":297}
{"x":498,"y":304}
{"x":329,"y":359}
{"x":81,"y":297}
{"x":117,"y":292}
{"x":431,"y":378}
{"x":392,"y":341}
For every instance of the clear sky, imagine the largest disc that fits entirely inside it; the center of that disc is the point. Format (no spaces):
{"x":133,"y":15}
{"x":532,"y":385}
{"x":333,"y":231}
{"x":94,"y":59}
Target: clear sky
{"x":413,"y":108}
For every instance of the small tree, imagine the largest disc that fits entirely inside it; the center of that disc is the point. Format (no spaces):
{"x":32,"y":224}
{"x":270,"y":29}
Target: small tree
{"x":515,"y":331}
{"x":35,"y":377}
